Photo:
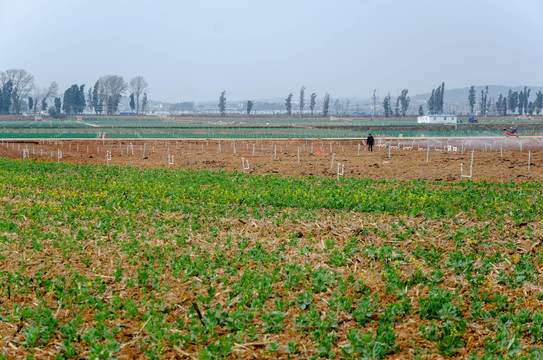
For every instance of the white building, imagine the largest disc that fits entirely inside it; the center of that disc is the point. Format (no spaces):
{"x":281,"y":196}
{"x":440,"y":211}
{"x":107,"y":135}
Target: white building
{"x":437,"y":119}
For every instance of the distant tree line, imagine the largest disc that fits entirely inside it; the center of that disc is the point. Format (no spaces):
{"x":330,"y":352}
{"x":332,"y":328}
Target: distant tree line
{"x":402,"y":104}
{"x":514,"y":102}
{"x":250,"y":105}
{"x":18,"y":93}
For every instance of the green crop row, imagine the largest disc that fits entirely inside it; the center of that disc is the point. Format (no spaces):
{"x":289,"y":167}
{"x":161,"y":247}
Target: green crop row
{"x":169,"y":190}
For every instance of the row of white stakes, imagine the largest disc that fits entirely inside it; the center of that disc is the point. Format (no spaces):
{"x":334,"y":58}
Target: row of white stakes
{"x":26,"y":154}
{"x":233,"y":145}
{"x":130,"y":147}
{"x":245,"y":165}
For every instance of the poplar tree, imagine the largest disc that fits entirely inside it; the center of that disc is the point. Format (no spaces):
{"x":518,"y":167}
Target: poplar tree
{"x":526,"y":97}
{"x":132,"y":102}
{"x":441,"y":97}
{"x":312,"y":102}
{"x":483,"y":102}
{"x":530,"y":109}
{"x":222,"y":103}
{"x":89,"y":99}
{"x":471,"y":98}
{"x":397,"y":108}
{"x":302,"y":99}
{"x":499,"y":105}
{"x":95,"y":98}
{"x":5,"y":99}
{"x":512,"y":100}
{"x":435,"y":103}
{"x":326,"y":105}
{"x":538,"y":102}
{"x":288,"y":103}
{"x":57,"y":104}
{"x":432,"y":102}
{"x":386,"y":106}
{"x":404,"y":102}
{"x":143,"y":103}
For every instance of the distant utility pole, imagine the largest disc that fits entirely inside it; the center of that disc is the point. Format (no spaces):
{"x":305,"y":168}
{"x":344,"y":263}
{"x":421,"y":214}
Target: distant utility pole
{"x":374,"y":103}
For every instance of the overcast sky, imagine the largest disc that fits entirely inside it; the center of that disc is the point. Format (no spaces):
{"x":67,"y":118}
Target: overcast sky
{"x":192,"y":50}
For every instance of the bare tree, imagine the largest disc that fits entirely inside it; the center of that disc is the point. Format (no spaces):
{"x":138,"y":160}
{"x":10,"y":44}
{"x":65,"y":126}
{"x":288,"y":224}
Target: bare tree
{"x":111,"y":89}
{"x":138,"y":86}
{"x":44,"y":93}
{"x":23,"y":83}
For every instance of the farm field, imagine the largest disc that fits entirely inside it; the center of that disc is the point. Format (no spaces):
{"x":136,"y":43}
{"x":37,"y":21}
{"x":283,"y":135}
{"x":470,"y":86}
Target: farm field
{"x":255,"y":127}
{"x":154,"y":257}
{"x":494,"y":159}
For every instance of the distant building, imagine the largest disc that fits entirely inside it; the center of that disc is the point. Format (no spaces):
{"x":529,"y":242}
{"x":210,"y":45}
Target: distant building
{"x":437,"y":119}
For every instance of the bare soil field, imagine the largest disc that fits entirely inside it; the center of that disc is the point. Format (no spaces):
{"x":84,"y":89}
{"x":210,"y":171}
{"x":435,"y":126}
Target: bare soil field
{"x":494,"y":159}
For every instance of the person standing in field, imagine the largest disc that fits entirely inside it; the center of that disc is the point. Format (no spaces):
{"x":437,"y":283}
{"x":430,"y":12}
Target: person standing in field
{"x":369,"y":142}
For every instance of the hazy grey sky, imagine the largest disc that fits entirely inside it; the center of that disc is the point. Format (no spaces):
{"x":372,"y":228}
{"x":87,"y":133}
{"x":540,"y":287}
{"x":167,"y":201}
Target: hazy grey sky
{"x":192,"y":50}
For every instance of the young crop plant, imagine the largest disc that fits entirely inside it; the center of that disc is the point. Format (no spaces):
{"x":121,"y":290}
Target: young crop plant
{"x":292,"y":348}
{"x":460,"y":263}
{"x":505,"y":344}
{"x":273,"y":322}
{"x":439,"y":301}
{"x":448,"y":335}
{"x":368,"y":346}
{"x":536,"y":330}
{"x":304,"y":300}
{"x":322,"y":279}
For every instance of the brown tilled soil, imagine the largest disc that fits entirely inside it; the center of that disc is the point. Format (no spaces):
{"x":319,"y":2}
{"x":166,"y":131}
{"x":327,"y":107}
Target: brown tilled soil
{"x":501,"y":161}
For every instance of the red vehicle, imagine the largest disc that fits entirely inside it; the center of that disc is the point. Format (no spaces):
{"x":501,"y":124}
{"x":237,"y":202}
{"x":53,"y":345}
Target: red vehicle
{"x":512,"y":132}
